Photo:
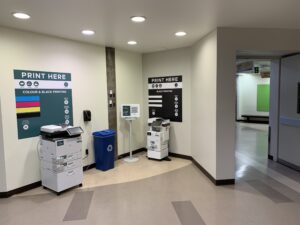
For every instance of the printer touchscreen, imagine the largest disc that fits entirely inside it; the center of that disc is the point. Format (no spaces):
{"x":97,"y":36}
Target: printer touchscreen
{"x":74,"y":131}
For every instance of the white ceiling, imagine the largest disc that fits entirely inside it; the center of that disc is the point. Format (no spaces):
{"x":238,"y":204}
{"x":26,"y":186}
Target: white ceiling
{"x":111,"y":19}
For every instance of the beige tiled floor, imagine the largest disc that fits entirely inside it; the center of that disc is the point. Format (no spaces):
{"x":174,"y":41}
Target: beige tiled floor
{"x":266,"y":193}
{"x":127,"y":172}
{"x":124,"y":172}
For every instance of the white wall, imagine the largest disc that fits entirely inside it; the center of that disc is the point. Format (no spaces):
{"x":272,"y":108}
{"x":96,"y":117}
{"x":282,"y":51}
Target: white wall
{"x":168,"y":63}
{"x":274,"y":107}
{"x":288,"y":135}
{"x":208,"y":130}
{"x":230,"y":40}
{"x":196,"y":136}
{"x":204,"y":97}
{"x":129,"y":82}
{"x":87,"y":64}
{"x":247,"y":94}
{"x":2,"y":158}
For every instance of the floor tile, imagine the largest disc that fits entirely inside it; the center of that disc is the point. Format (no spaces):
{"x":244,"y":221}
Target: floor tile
{"x":269,"y":192}
{"x":187,"y":213}
{"x":79,"y":207}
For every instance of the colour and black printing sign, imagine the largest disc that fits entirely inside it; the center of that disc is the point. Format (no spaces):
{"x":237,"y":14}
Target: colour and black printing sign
{"x":165,"y":97}
{"x":42,"y":98}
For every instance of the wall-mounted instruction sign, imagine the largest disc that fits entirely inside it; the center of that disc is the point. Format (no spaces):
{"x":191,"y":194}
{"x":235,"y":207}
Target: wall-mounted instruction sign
{"x":165,"y":97}
{"x":42,"y":98}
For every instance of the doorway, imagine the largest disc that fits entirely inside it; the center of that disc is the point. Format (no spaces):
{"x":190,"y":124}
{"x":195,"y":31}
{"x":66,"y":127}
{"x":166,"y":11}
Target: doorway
{"x":253,"y":79}
{"x":268,"y":95}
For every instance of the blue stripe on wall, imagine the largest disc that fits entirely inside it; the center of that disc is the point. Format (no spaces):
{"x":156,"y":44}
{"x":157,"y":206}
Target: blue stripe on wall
{"x":27,"y":98}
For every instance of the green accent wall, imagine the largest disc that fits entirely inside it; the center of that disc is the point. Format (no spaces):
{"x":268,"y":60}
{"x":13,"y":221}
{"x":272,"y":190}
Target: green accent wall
{"x":263,"y":98}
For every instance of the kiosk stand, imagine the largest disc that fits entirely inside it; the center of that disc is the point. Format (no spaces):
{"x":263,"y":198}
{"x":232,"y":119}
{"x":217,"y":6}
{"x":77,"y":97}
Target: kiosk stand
{"x":130,"y":112}
{"x":130,"y":159}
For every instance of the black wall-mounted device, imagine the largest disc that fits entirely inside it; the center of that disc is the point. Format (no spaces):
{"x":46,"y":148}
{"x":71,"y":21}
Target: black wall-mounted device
{"x":87,"y":115}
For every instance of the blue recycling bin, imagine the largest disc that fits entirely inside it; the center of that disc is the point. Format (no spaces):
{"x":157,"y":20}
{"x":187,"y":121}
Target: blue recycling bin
{"x":104,"y":146}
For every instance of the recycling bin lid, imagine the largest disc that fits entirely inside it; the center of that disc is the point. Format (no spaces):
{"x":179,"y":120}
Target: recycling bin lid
{"x":104,"y":133}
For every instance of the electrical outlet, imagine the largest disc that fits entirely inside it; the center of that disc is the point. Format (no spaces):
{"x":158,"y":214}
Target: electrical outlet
{"x":86,"y":151}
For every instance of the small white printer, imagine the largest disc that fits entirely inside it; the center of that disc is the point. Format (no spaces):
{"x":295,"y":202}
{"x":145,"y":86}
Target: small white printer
{"x":158,"y":138}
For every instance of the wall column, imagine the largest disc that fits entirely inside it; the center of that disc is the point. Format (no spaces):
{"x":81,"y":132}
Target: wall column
{"x":111,"y":91}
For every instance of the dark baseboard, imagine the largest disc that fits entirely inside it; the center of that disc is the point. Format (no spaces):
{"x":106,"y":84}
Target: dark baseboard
{"x":270,"y":157}
{"x":172,"y":154}
{"x":212,"y":179}
{"x":133,"y":152}
{"x":88,"y":167}
{"x":33,"y":185}
{"x":20,"y":190}
{"x":288,"y":164}
{"x":252,"y":121}
{"x":204,"y":171}
{"x":91,"y":166}
{"x":225,"y":182}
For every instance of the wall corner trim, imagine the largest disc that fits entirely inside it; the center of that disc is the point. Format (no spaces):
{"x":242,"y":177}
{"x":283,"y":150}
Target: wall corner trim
{"x":20,"y":190}
{"x":211,"y":178}
{"x":180,"y":156}
{"x":133,"y":152}
{"x":204,"y":171}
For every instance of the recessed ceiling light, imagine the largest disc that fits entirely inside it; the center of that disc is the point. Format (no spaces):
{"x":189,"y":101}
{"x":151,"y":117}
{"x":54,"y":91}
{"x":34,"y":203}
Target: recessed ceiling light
{"x":138,"y":19}
{"x":132,"y":42}
{"x":88,"y":32}
{"x":22,"y":16}
{"x":180,"y":33}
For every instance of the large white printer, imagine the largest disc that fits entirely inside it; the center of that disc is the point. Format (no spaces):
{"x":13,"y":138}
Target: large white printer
{"x":61,"y":157}
{"x":158,"y":138}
